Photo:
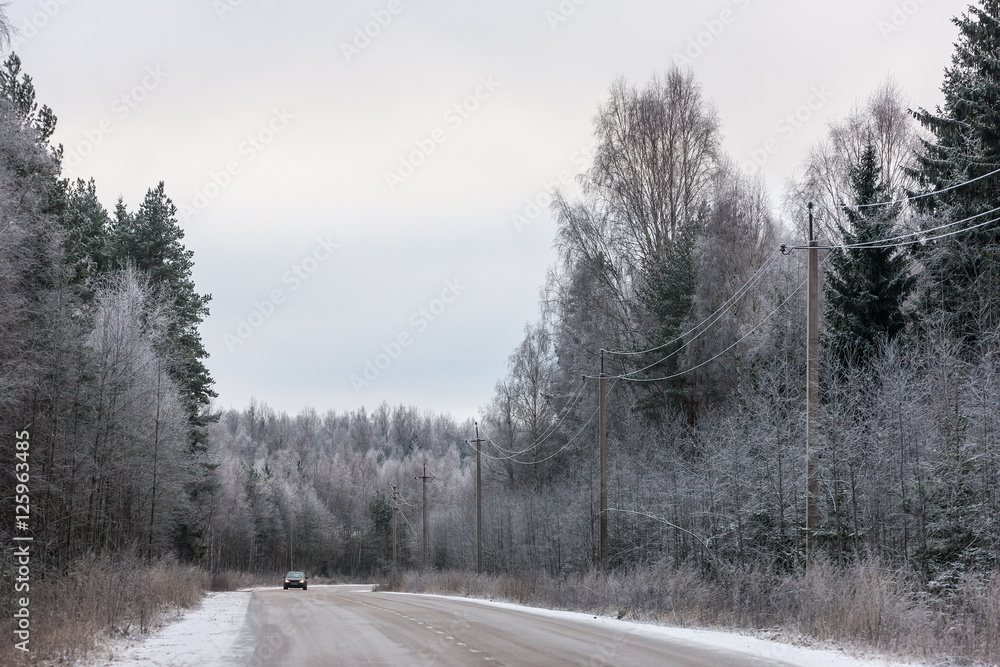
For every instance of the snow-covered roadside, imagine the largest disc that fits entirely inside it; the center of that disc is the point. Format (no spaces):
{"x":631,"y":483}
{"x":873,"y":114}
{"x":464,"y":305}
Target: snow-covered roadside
{"x":205,"y":635}
{"x":756,"y":646}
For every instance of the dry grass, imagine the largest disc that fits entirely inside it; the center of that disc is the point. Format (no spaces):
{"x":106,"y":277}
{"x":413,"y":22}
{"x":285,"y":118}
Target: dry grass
{"x":228,"y":580}
{"x":99,"y":598}
{"x":866,"y":606}
{"x":103,"y":597}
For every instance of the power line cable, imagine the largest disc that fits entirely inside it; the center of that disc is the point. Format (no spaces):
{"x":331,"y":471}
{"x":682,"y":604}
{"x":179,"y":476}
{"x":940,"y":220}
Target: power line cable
{"x":578,"y":393}
{"x":892,"y":239}
{"x":931,"y":194}
{"x":502,"y":458}
{"x":548,"y":432}
{"x":555,"y":453}
{"x":713,"y":358}
{"x":486,"y":436}
{"x":704,"y":542}
{"x":737,"y":295}
{"x":575,"y":436}
{"x":403,"y":514}
{"x":924,"y":231}
{"x":505,"y":457}
{"x":717,"y":316}
{"x":893,"y":242}
{"x":938,"y":237}
{"x":743,"y":290}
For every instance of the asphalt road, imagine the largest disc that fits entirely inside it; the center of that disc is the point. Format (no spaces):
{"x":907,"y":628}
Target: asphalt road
{"x":350,"y":625}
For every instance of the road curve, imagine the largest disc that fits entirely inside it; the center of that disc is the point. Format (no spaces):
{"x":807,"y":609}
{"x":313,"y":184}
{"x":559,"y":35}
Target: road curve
{"x":350,"y":625}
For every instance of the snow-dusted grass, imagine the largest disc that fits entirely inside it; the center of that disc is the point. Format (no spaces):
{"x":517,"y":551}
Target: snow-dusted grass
{"x":207,"y":635}
{"x":101,"y":600}
{"x":100,"y":597}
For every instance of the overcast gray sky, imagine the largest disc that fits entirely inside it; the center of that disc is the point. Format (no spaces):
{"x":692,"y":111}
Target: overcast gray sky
{"x":410,"y":134}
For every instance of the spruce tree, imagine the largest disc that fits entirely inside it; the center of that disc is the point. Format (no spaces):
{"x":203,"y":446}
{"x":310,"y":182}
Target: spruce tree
{"x":866,"y":288}
{"x":963,"y":272}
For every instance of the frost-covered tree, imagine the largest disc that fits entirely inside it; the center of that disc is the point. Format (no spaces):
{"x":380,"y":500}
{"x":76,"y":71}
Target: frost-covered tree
{"x":150,"y":239}
{"x":824,"y":178}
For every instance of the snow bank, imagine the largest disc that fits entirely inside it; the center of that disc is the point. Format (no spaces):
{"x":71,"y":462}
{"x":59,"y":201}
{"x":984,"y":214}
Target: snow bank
{"x":206,"y":635}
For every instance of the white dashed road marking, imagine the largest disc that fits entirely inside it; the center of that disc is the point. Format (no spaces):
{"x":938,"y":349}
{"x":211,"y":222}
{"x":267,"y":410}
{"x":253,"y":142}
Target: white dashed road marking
{"x":429,"y":627}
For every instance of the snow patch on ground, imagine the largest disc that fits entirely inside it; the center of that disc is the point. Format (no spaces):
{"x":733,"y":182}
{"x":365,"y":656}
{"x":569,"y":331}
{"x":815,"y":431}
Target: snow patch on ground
{"x":206,"y":635}
{"x":772,"y":649}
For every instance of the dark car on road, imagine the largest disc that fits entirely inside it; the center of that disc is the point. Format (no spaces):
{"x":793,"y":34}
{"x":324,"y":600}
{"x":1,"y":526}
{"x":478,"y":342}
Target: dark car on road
{"x":295,"y":580}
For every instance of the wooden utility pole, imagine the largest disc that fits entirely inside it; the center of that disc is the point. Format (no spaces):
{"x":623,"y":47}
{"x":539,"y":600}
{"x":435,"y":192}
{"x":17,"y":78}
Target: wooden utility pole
{"x":812,"y":391}
{"x":603,"y":428}
{"x":395,"y":508}
{"x":423,"y":478}
{"x":479,"y":500}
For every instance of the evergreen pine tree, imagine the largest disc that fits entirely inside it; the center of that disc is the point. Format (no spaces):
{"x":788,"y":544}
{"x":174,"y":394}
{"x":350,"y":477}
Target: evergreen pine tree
{"x":151,"y":241}
{"x":866,"y":288}
{"x":667,"y":292}
{"x":18,"y":91}
{"x":85,"y":224}
{"x":963,"y":271}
